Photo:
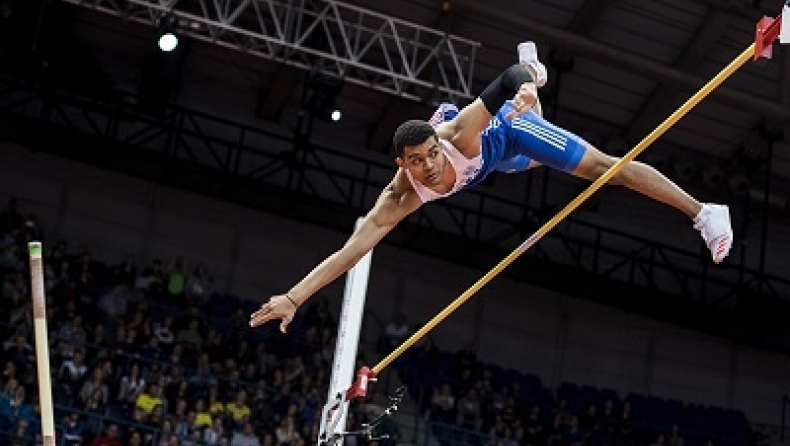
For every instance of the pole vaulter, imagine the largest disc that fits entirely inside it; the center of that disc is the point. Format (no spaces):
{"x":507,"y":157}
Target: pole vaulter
{"x":767,"y":31}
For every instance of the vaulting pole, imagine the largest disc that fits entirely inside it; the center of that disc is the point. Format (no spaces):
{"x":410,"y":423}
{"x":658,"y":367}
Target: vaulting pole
{"x":745,"y":56}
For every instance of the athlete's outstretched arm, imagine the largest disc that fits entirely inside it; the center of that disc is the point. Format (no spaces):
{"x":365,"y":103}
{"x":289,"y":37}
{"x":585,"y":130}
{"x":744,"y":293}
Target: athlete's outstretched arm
{"x":395,"y":202}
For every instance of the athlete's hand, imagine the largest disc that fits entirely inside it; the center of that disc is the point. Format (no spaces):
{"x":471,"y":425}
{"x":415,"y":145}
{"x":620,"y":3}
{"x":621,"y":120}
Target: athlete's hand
{"x":524,"y":100}
{"x":277,"y":307}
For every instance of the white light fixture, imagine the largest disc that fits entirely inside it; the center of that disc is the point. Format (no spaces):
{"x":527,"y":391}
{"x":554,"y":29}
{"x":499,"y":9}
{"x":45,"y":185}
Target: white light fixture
{"x":168,"y":25}
{"x":336,"y":115}
{"x":168,"y":42}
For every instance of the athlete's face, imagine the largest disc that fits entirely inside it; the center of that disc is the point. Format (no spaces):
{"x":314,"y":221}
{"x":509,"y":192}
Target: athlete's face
{"x":425,"y":162}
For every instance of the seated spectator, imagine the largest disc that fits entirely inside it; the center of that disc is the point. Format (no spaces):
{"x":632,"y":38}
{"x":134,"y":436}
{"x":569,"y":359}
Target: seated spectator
{"x":125,"y":273}
{"x":151,"y":350}
{"x":138,"y":326}
{"x":131,"y":385}
{"x":443,"y":404}
{"x":95,"y":384}
{"x":236,"y":325}
{"x":19,"y":350}
{"x":660,"y":440}
{"x":242,"y":352}
{"x":151,"y":277}
{"x":15,"y":406}
{"x":245,"y":437}
{"x":73,"y":331}
{"x":9,"y":260}
{"x":625,"y":427}
{"x":72,"y":371}
{"x":9,"y":372}
{"x":287,"y":434}
{"x":198,"y":286}
{"x":190,"y":337}
{"x":238,"y":408}
{"x":395,"y":332}
{"x":178,"y":357}
{"x":166,"y":430}
{"x":267,"y":361}
{"x":250,"y":373}
{"x":194,"y":438}
{"x":170,"y":440}
{"x":468,"y":411}
{"x":108,"y":438}
{"x":149,"y":399}
{"x":498,"y":431}
{"x":98,"y":336}
{"x":203,"y":379}
{"x":72,"y":428}
{"x":216,"y":407}
{"x":153,"y":373}
{"x":212,"y":434}
{"x":554,"y":430}
{"x":96,"y":410}
{"x":573,"y":434}
{"x":176,"y":279}
{"x":9,"y":389}
{"x":20,"y":311}
{"x":22,"y":432}
{"x":180,"y":408}
{"x":157,"y":416}
{"x":533,"y":426}
{"x":164,"y":332}
{"x":294,"y":371}
{"x":113,"y":304}
{"x":215,"y":347}
{"x":135,"y":439}
{"x":177,"y":394}
{"x":674,"y":437}
{"x":426,"y":354}
{"x":184,"y":420}
{"x":202,"y":414}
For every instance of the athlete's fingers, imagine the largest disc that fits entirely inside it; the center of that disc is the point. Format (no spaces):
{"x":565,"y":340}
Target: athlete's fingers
{"x":284,"y":325}
{"x":261,"y":315}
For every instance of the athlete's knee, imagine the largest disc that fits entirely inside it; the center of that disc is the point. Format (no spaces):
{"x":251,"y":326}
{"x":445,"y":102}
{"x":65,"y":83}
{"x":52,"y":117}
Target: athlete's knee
{"x":599,"y":163}
{"x":595,"y":163}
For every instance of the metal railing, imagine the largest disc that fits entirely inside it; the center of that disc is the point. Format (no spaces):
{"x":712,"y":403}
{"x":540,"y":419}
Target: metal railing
{"x":353,"y":43}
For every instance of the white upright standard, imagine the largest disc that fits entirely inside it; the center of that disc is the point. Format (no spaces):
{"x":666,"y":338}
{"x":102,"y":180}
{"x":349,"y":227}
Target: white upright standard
{"x":42,"y":343}
{"x":333,"y":420}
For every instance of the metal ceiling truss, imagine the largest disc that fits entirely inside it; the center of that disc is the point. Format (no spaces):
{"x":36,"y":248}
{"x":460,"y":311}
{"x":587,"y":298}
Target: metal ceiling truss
{"x":358,"y":45}
{"x":183,"y":139}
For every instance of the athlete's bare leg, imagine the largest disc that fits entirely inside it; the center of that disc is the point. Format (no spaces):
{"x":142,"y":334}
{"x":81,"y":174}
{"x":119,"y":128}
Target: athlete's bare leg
{"x":639,"y":177}
{"x":712,"y":220}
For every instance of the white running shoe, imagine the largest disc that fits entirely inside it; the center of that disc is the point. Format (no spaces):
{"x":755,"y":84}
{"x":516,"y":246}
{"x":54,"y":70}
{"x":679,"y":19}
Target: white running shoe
{"x":713,"y":222}
{"x":528,"y":55}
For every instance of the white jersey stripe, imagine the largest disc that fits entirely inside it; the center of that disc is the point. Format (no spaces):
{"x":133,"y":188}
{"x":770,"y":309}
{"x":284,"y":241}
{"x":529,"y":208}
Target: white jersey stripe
{"x":549,"y":138}
{"x":558,"y":136}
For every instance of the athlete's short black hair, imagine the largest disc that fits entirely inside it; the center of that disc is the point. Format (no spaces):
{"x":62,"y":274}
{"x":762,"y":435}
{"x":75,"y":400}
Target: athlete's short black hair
{"x":411,"y":133}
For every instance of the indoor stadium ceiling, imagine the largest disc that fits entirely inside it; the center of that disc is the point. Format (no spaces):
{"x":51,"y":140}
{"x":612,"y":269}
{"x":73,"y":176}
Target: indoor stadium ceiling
{"x":617,"y":69}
